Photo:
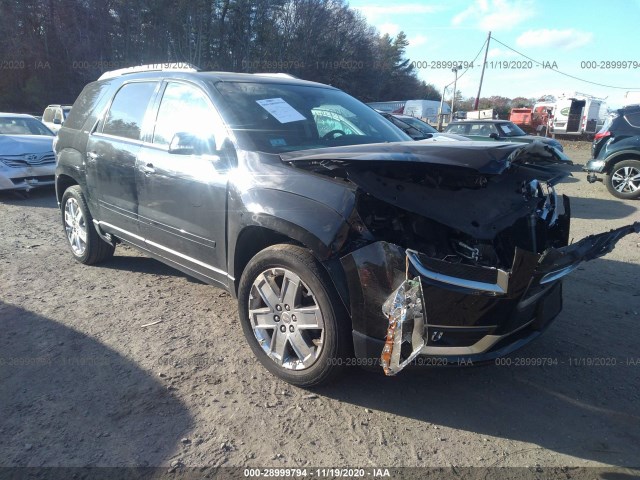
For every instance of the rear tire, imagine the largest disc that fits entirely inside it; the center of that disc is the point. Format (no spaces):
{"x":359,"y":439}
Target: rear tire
{"x":292,"y":316}
{"x":623,"y":180}
{"x":84,"y":242}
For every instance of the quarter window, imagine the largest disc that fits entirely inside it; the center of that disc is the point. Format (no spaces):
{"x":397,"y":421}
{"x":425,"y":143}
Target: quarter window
{"x":127,"y":110}
{"x":633,"y":119}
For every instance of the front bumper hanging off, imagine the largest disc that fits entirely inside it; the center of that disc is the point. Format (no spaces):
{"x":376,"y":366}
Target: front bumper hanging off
{"x":453,"y":311}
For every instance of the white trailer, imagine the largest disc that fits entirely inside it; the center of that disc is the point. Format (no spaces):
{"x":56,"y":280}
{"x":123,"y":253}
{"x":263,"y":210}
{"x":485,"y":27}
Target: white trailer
{"x":426,"y":110}
{"x":578,"y":114}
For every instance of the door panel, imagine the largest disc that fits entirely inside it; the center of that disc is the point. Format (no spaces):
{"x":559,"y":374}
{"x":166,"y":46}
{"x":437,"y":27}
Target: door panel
{"x":112,"y":162}
{"x":182,"y":198}
{"x":111,"y":157}
{"x":183,"y":208}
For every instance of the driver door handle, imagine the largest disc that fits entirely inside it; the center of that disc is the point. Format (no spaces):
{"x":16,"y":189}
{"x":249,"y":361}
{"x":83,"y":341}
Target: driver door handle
{"x":148,"y":168}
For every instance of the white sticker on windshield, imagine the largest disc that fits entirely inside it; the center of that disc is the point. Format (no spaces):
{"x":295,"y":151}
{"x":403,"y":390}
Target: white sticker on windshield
{"x":506,"y":129}
{"x":281,"y":110}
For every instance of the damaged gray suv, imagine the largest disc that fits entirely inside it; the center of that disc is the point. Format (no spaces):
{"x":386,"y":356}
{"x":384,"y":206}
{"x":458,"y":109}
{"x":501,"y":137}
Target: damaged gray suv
{"x":344,"y":241}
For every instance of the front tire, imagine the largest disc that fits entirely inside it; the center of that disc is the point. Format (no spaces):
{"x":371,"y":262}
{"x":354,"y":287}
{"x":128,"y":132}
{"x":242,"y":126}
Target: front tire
{"x":86,"y":245}
{"x":623,"y":181}
{"x":292,"y":317}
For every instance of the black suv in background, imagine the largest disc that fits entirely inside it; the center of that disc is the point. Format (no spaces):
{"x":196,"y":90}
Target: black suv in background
{"x":345,"y":242}
{"x":615,"y":152}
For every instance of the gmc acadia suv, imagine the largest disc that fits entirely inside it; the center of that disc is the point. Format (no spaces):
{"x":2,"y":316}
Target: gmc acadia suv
{"x":340,"y":236}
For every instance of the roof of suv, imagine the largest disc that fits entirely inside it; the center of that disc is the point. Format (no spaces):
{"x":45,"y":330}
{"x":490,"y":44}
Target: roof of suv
{"x":214,"y":76}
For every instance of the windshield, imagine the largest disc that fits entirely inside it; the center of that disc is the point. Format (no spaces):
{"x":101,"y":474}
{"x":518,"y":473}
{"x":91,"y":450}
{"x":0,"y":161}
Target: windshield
{"x":23,"y":126}
{"x":278,"y":118}
{"x":510,"y":130}
{"x":419,"y":124}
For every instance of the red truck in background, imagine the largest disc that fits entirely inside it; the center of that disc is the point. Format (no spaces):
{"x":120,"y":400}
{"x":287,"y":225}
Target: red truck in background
{"x":536,"y":120}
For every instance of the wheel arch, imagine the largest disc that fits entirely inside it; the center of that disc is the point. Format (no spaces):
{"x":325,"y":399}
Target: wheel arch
{"x":254,"y":238}
{"x":63,"y":182}
{"x":620,"y":157}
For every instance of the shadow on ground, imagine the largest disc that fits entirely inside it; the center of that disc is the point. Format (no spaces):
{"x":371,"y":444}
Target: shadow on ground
{"x":71,"y":401}
{"x":605,"y":209}
{"x":40,"y":198}
{"x":584,"y":403}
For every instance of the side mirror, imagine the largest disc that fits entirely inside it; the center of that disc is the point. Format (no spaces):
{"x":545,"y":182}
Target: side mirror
{"x":494,"y":135}
{"x":184,"y":143}
{"x":57,"y":121}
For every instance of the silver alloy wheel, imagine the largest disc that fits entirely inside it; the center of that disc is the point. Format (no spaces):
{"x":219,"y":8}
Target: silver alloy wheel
{"x":75,"y":226}
{"x":286,"y":319}
{"x":626,"y":179}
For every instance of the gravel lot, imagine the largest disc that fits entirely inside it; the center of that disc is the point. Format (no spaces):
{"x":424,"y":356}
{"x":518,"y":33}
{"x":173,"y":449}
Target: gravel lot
{"x":133,"y":363}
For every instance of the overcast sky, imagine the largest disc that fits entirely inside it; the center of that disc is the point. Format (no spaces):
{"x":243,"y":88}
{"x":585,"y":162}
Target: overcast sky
{"x":568,"y":33}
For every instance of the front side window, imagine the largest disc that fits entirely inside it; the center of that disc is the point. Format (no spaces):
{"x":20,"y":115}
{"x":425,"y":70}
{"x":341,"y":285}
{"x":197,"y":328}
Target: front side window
{"x":511,"y":130}
{"x":127,"y":110}
{"x":186,"y":109}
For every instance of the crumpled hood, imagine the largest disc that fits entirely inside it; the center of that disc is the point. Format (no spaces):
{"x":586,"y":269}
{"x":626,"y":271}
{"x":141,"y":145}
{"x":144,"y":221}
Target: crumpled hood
{"x":483,"y":158}
{"x":21,"y":144}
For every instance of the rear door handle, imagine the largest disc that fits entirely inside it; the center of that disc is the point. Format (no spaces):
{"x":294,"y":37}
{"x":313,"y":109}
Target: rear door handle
{"x":148,"y":168}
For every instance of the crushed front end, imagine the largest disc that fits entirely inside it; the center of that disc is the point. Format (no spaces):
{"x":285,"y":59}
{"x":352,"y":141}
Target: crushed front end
{"x":457,"y":252}
{"x":488,"y":253}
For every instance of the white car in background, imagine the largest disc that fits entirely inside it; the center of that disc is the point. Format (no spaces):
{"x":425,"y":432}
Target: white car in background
{"x":26,"y":153}
{"x":54,"y":116}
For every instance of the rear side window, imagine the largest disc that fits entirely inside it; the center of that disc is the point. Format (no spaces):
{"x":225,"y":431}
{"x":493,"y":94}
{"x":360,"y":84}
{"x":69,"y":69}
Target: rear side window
{"x":460,"y":128}
{"x":633,"y":119}
{"x":482,"y":129}
{"x":126,"y":114}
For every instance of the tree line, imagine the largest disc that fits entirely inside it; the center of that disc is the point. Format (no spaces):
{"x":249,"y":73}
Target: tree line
{"x":49,"y":49}
{"x":501,"y":105}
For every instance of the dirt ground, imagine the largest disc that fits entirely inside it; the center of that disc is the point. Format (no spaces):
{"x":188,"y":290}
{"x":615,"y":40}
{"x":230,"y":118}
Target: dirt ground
{"x":133,"y":363}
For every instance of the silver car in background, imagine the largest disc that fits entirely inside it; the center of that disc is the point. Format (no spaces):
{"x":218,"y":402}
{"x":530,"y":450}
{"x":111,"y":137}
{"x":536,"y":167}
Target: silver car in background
{"x":26,"y":153}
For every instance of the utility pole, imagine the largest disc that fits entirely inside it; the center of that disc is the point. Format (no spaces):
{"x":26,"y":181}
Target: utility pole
{"x":453,"y":99}
{"x":475,"y":105}
{"x":444,"y":89}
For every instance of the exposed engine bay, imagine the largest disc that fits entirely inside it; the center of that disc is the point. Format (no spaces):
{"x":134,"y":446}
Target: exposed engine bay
{"x":460,"y":203}
{"x":475,"y":219}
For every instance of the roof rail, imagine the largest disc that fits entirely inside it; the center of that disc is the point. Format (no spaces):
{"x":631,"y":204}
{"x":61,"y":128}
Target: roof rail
{"x":281,"y":75}
{"x":151,"y":67}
